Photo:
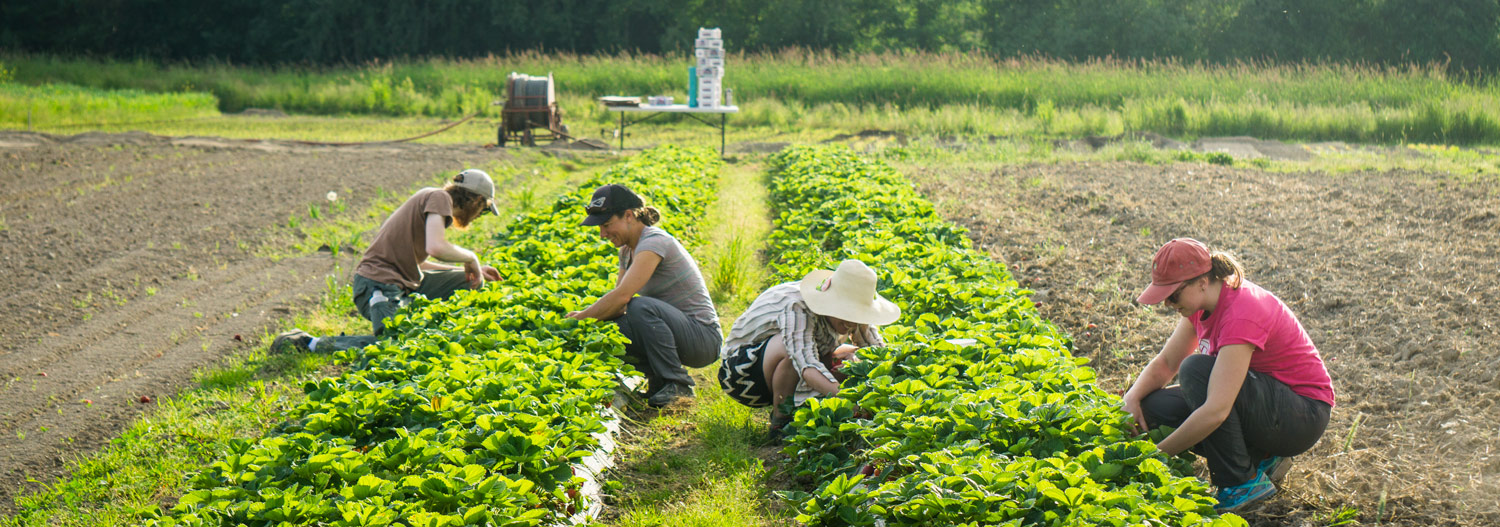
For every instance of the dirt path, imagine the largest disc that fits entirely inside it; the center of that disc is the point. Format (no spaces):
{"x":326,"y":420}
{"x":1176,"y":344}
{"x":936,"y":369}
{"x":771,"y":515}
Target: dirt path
{"x":130,"y":263}
{"x":1392,"y":274}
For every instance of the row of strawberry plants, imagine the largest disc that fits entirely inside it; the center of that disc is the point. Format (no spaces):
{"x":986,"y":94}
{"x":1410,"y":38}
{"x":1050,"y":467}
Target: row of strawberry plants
{"x":480,"y":408}
{"x":1003,"y":427}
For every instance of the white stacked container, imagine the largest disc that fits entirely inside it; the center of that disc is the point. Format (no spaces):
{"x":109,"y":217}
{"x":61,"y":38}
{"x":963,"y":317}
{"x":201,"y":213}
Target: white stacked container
{"x":709,"y":50}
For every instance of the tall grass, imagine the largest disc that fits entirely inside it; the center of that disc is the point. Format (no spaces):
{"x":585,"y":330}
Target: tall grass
{"x":732,"y":262}
{"x":24,"y":106}
{"x":946,"y":93}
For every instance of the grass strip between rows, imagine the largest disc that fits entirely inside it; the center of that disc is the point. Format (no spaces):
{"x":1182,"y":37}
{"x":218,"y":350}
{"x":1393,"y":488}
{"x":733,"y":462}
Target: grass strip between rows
{"x":480,"y":406}
{"x":701,"y":464}
{"x":1011,"y":430}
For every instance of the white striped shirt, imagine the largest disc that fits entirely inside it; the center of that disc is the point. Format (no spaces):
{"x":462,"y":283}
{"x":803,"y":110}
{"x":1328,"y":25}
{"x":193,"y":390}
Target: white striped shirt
{"x":807,"y":336}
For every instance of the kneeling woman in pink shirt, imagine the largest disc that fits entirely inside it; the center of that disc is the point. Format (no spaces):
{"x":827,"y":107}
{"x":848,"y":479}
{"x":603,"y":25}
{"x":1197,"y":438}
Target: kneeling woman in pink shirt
{"x":1252,"y":390}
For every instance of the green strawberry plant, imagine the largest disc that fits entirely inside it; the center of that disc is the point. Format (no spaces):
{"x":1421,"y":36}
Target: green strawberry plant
{"x":1012,"y":430}
{"x":477,"y":409}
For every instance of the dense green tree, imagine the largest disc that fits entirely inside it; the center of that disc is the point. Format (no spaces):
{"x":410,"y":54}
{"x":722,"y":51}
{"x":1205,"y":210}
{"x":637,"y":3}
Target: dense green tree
{"x":1465,"y":34}
{"x":1297,"y":30}
{"x":1463,"y":31}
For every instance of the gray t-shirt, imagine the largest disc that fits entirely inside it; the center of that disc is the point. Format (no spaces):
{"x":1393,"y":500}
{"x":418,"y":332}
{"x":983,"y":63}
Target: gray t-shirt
{"x":676,"y":279}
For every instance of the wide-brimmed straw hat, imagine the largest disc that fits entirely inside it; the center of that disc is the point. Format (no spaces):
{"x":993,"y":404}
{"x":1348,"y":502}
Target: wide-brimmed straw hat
{"x":848,"y":293}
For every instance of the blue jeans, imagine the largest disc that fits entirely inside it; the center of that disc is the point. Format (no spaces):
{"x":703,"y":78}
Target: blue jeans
{"x":378,"y":301}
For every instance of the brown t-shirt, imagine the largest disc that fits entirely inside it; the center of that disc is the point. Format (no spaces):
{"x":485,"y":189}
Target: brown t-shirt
{"x":401,"y":245}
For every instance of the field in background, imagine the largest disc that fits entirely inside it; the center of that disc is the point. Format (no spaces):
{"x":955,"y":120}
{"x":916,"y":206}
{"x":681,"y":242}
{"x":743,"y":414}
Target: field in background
{"x":915,"y":93}
{"x":935,"y":117}
{"x":66,"y":106}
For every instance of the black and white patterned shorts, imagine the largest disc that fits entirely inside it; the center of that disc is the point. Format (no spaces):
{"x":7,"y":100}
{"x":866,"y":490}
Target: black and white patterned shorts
{"x":742,"y":375}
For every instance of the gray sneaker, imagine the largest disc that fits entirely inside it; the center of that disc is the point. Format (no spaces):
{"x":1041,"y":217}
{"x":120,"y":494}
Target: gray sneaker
{"x":1275,"y":467}
{"x":292,"y":341}
{"x":668,"y":393}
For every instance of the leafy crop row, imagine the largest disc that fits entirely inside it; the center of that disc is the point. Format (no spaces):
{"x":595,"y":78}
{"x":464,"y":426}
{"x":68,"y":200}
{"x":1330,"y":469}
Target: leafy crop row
{"x":1011,"y":430}
{"x":477,"y":412}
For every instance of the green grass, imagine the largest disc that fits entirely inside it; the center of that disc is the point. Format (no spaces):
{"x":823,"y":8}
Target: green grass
{"x":328,"y":225}
{"x":63,"y":106}
{"x":146,"y":466}
{"x":701,"y":463}
{"x":925,"y":93}
{"x":353,"y":129}
{"x":322,"y":129}
{"x":731,"y":261}
{"x":696,"y":464}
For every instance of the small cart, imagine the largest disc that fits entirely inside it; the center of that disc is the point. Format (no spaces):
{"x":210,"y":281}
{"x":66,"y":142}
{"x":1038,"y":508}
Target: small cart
{"x":530,"y":104}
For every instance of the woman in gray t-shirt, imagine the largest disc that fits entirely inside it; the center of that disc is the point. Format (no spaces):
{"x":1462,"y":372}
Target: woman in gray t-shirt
{"x":672,"y":324}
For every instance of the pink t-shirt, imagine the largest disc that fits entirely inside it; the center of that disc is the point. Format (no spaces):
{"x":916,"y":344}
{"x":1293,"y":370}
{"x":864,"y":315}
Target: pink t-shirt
{"x":1251,"y":315}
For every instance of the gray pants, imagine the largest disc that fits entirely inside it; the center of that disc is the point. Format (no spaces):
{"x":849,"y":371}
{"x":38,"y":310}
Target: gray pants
{"x":663,"y":340}
{"x":1267,"y":419}
{"x":378,"y":301}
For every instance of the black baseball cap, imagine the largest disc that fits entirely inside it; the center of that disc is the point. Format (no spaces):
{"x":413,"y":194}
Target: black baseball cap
{"x":608,"y":201}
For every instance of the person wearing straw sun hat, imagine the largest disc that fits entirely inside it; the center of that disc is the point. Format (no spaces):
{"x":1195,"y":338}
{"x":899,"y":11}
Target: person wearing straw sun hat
{"x":399,"y":261}
{"x":1252,"y":390}
{"x":786,"y":342}
{"x":659,"y":301}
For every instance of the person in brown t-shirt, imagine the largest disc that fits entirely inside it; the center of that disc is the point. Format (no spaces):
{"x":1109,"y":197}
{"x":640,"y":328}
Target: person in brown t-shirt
{"x":399,"y":261}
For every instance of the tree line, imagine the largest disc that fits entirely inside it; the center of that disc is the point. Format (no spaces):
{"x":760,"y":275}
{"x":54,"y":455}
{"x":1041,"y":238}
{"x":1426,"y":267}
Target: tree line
{"x":1464,"y":34}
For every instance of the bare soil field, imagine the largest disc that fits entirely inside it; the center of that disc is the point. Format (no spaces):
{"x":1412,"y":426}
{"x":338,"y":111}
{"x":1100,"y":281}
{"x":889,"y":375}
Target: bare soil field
{"x":131,"y":261}
{"x":1392,"y":273}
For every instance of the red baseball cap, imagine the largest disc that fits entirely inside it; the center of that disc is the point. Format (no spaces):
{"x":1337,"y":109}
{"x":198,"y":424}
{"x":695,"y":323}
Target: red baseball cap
{"x":1176,"y":262}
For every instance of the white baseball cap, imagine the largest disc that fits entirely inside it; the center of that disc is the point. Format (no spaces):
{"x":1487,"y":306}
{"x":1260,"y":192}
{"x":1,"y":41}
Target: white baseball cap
{"x":478,"y":182}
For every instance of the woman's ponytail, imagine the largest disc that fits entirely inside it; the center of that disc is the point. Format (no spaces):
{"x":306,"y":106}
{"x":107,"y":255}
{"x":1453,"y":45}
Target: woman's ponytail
{"x":648,"y":216}
{"x":1225,"y":268}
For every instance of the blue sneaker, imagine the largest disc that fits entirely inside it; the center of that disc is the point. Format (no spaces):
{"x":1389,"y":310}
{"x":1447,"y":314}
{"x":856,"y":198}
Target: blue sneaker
{"x":1275,"y":468}
{"x":1236,"y":498}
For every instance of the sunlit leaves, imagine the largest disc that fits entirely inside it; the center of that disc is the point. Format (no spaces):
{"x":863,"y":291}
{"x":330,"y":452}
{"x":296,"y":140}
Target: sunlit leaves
{"x":479,"y":407}
{"x":1010,"y":430}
